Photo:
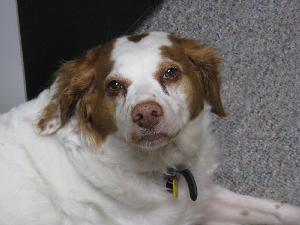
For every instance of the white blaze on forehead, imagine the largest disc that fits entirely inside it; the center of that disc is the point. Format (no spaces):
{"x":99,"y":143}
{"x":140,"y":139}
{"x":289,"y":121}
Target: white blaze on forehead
{"x":135,"y":60}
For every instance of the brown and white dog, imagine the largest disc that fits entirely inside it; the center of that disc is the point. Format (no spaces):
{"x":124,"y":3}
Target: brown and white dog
{"x":117,"y":128}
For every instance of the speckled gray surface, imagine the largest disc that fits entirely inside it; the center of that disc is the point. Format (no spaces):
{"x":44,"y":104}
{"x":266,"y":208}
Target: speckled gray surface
{"x":260,"y":42}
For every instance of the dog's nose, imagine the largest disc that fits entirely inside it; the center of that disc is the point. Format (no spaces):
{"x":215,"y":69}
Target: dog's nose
{"x":147,"y":114}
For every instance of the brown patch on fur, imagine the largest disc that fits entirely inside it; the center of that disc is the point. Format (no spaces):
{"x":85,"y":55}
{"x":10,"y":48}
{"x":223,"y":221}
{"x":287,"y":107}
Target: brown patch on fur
{"x":190,"y":78}
{"x":200,"y":65}
{"x":162,"y":69}
{"x":277,"y":206}
{"x":245,"y":213}
{"x":137,"y":37}
{"x":160,"y":73}
{"x":49,"y":113}
{"x":125,"y":82}
{"x":80,"y":92}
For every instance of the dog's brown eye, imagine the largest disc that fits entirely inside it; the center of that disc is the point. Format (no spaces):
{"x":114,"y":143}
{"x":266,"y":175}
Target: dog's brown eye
{"x":114,"y":86}
{"x":170,"y":73}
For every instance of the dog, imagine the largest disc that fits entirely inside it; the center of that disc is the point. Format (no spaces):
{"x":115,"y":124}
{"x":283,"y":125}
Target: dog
{"x":123,"y":137}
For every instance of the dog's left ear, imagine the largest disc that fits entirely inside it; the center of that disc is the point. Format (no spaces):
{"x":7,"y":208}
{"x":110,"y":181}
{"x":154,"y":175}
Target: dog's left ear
{"x":207,"y":64}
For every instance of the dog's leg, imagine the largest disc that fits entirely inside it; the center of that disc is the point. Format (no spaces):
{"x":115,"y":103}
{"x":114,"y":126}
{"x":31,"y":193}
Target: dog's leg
{"x":228,"y":207}
{"x":221,"y":224}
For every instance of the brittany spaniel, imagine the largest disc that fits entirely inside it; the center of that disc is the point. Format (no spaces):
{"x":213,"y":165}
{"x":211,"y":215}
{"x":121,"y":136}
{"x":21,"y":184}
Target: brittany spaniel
{"x":123,"y":137}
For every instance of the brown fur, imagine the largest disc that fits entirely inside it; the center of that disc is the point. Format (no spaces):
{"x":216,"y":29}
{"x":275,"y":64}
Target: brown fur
{"x":245,"y":213}
{"x":160,"y":72}
{"x":200,"y":64}
{"x":80,"y":91}
{"x":125,"y":82}
{"x":137,"y":37}
{"x":49,"y":113}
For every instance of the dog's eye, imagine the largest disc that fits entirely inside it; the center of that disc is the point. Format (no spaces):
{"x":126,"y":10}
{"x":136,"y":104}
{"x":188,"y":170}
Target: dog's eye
{"x":114,"y":86}
{"x":170,"y":73}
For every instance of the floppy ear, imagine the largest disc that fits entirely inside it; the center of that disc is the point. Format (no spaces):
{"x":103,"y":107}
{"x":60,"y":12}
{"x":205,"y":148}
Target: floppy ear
{"x":74,"y":79}
{"x":206,"y":63}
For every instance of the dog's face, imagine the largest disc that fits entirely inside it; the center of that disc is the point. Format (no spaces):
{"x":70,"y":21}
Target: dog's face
{"x":143,"y":88}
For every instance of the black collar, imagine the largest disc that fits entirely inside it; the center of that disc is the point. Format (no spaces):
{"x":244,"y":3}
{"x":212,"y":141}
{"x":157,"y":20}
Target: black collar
{"x":172,"y":182}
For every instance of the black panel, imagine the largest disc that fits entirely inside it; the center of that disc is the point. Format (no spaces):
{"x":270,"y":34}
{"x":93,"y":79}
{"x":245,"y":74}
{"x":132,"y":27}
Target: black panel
{"x":54,"y":31}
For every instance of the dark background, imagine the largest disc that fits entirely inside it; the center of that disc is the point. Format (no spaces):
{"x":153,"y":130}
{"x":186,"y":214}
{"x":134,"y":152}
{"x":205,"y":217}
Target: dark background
{"x":54,"y":31}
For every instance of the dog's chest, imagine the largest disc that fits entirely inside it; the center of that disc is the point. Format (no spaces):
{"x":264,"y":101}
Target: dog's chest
{"x":139,"y":205}
{"x":114,"y":213}
{"x":119,"y":197}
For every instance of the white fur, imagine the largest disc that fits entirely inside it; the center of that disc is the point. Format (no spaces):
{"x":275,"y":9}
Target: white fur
{"x":64,"y":179}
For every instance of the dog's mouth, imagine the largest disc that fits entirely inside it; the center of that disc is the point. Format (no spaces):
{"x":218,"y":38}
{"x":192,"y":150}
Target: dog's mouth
{"x":151,"y":139}
{"x":154,"y":137}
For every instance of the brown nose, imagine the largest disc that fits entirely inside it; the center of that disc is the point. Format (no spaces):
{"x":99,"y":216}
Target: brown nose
{"x":147,"y":114}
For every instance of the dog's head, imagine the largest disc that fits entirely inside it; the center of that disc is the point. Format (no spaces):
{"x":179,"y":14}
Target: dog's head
{"x":143,"y":88}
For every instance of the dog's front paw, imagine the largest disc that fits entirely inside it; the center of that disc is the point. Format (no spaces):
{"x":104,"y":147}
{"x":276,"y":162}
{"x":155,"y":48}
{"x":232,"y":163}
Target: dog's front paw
{"x":288,"y":214}
{"x":221,"y":224}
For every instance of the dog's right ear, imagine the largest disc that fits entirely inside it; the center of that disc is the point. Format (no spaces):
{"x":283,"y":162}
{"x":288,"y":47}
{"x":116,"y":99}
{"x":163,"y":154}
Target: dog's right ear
{"x":73,"y":79}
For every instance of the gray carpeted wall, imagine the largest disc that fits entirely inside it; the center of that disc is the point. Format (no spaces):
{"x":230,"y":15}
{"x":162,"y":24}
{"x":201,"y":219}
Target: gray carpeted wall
{"x":260,"y":42}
